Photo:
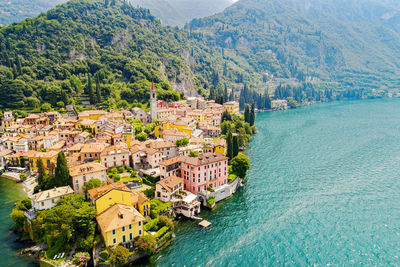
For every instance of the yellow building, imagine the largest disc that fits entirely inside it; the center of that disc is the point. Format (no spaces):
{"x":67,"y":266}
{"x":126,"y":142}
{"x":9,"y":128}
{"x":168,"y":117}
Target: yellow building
{"x":91,"y":114}
{"x":158,"y":131}
{"x":49,"y":160}
{"x":231,"y":107}
{"x":87,"y":124}
{"x":120,"y":224}
{"x":105,"y":196}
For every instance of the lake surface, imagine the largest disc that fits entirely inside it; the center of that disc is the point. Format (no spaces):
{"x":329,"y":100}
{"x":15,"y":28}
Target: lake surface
{"x":323,"y":188}
{"x":10,"y":192}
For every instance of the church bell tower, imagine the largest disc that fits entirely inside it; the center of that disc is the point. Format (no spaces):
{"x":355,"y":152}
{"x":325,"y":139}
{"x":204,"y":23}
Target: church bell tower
{"x":153,"y":102}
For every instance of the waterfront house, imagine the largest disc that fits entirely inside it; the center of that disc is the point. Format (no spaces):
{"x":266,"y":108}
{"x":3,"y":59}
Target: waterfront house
{"x":279,"y":104}
{"x":45,"y":200}
{"x":167,"y":188}
{"x":145,"y":158}
{"x":85,"y":172}
{"x":120,"y":224}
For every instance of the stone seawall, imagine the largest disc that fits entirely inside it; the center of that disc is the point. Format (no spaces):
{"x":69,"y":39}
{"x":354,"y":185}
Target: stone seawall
{"x":221,"y":192}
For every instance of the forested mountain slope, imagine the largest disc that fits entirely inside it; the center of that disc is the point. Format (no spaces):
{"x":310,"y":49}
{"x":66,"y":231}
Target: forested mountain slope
{"x":353,"y":42}
{"x":52,"y":57}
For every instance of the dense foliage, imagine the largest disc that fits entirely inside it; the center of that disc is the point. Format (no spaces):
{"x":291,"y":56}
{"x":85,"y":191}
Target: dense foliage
{"x":70,"y":223}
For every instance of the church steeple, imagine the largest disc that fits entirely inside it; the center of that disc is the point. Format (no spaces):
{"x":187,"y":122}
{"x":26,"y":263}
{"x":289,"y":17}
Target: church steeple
{"x":153,"y":102}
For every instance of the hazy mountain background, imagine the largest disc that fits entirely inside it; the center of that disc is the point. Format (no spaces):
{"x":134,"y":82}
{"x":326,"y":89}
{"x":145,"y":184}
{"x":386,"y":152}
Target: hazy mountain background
{"x":354,"y":42}
{"x":179,"y":12}
{"x":17,"y":10}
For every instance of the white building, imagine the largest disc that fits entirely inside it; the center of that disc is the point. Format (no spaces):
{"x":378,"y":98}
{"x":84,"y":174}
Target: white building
{"x":83,"y":173}
{"x":45,"y":200}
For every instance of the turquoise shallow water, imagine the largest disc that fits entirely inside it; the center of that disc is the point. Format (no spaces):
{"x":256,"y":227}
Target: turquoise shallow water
{"x":323,"y":189}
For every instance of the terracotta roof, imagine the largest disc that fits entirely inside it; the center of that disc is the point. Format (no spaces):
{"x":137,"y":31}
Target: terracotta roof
{"x":93,"y":147}
{"x":171,"y":161}
{"x":204,"y":159}
{"x":5,"y":152}
{"x":170,"y":182}
{"x":117,"y":216}
{"x":86,"y":168}
{"x":115,"y":149}
{"x":92,"y":112}
{"x":52,"y":193}
{"x":161,"y":144}
{"x":99,"y":191}
{"x":139,"y":198}
{"x":75,"y":147}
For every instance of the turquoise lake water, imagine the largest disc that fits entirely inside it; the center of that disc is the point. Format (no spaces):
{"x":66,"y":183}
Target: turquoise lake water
{"x":323,"y":188}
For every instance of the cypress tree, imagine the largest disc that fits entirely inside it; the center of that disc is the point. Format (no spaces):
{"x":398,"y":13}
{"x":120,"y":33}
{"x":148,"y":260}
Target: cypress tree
{"x":229,"y":145}
{"x":247,"y":114}
{"x":231,"y":96}
{"x":61,"y":176}
{"x":41,"y":172}
{"x":90,"y":91}
{"x":235,"y":146}
{"x":19,"y":65}
{"x":241,"y":100}
{"x":98,"y":89}
{"x":225,"y":94}
{"x":15,"y":72}
{"x":252,"y":115}
{"x":106,"y":3}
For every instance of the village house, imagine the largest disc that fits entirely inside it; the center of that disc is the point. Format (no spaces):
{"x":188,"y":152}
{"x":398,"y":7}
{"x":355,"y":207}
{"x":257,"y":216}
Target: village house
{"x":145,"y":158}
{"x":81,"y":174}
{"x":92,"y":151}
{"x":114,"y":156}
{"x":279,"y":104}
{"x":231,"y":107}
{"x":168,"y":187}
{"x":45,"y":200}
{"x":168,"y":149}
{"x":173,"y":134}
{"x":105,"y":196}
{"x":170,"y":167}
{"x":48,"y":158}
{"x":91,"y":114}
{"x":82,"y":137}
{"x":120,"y":224}
{"x":4,"y":154}
{"x":8,"y":119}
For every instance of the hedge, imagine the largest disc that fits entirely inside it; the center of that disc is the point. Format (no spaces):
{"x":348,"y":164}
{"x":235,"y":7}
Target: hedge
{"x":150,"y":225}
{"x":166,"y":237}
{"x":161,"y":232}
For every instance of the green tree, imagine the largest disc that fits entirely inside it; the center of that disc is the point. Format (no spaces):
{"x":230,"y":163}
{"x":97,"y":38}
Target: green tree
{"x":247,"y":113}
{"x":194,"y":153}
{"x":61,"y":177}
{"x":229,"y":144}
{"x":98,"y":89}
{"x":182,"y":142}
{"x":252,"y":115}
{"x":46,"y":107}
{"x":141,"y":137}
{"x":146,"y":244}
{"x":119,"y":256}
{"x":92,"y":183}
{"x":41,"y":172}
{"x":90,"y":91}
{"x":235,"y":145}
{"x":240,"y":165}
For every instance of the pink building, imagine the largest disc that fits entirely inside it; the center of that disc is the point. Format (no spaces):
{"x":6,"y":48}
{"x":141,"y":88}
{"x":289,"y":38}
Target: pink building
{"x":199,"y":173}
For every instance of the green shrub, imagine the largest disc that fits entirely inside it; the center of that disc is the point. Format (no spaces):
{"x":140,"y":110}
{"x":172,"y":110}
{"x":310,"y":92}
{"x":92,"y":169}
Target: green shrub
{"x":232,"y":177}
{"x":113,"y":170}
{"x":210,"y":201}
{"x":104,"y":254}
{"x":81,"y":258}
{"x":151,"y":225}
{"x":161,"y":232}
{"x":121,"y":169}
{"x":117,"y":177}
{"x":165,"y":221}
{"x":166,"y":237}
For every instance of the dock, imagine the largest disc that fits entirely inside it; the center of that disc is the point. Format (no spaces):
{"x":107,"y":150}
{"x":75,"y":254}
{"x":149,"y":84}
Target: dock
{"x":204,"y":223}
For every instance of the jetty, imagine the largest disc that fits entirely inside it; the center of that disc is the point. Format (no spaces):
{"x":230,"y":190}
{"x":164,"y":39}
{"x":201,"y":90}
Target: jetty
{"x":204,"y":223}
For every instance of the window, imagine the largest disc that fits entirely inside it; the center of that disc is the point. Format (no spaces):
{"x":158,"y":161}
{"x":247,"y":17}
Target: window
{"x":130,"y":226}
{"x":42,"y":203}
{"x":123,"y":239}
{"x":140,"y":232}
{"x":130,"y":236}
{"x":140,"y":223}
{"x":114,"y":240}
{"x":123,"y":228}
{"x":113,"y":232}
